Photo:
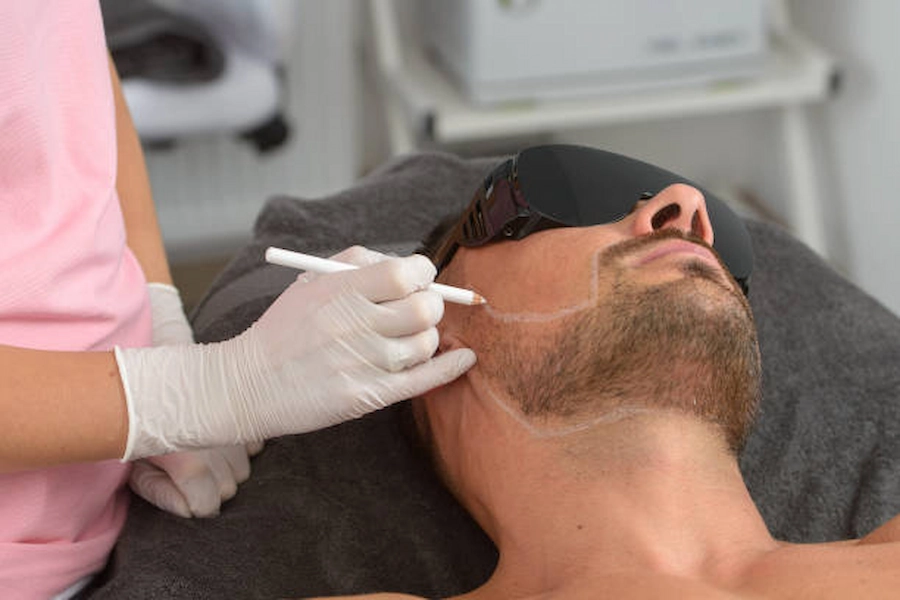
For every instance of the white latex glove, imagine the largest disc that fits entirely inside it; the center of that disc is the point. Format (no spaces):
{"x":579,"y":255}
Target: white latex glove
{"x":326,"y":351}
{"x":170,"y":325}
{"x":192,"y":483}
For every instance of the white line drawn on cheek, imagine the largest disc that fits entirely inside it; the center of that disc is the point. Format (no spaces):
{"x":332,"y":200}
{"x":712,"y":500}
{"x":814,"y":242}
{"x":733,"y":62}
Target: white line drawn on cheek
{"x":507,"y":405}
{"x":544,"y":317}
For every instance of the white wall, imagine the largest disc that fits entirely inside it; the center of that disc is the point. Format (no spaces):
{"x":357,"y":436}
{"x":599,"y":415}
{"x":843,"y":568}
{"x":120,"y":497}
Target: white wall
{"x":861,"y":131}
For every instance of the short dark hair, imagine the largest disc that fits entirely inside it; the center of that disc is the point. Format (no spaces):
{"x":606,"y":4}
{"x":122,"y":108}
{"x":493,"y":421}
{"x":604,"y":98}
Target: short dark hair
{"x":435,"y":237}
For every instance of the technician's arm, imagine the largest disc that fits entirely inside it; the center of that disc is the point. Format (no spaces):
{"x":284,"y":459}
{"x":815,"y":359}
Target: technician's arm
{"x":133,"y":185}
{"x":59,"y":407}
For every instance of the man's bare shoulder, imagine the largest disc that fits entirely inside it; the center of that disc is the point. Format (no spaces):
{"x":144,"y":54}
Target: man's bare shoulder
{"x":886,"y":534}
{"x":846,"y":569}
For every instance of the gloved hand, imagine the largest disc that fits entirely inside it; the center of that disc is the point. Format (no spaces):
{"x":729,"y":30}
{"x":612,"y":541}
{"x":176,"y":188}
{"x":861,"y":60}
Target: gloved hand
{"x":170,"y":325}
{"x":326,"y":351}
{"x":192,"y":483}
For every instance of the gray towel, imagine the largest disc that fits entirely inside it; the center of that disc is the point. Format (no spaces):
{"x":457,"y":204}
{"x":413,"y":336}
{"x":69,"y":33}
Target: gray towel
{"x":356,"y":509}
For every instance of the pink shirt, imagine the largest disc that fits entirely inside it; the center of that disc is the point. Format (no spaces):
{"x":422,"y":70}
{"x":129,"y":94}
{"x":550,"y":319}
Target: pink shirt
{"x":67,"y":279}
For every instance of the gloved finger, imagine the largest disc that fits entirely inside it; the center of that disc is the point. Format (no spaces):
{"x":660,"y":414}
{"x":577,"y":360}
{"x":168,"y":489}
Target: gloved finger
{"x":436,"y":372}
{"x":156,"y":487}
{"x":220,"y":465}
{"x":360,"y":256}
{"x":354,"y":255}
{"x":238,"y":462}
{"x":397,"y":354}
{"x":254,"y":448}
{"x":417,"y":312}
{"x":390,"y":279}
{"x":203,"y":478}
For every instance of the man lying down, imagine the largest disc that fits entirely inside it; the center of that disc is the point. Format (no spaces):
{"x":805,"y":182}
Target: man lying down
{"x":618,"y":374}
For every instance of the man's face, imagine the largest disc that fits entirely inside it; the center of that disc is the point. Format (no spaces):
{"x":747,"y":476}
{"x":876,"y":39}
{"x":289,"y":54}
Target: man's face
{"x":587,"y":323}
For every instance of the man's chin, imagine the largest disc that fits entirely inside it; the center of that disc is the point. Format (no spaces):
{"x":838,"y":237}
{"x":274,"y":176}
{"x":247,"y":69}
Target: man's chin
{"x":705,"y":287}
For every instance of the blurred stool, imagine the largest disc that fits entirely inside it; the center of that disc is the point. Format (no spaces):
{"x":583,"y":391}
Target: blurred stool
{"x":198,"y":67}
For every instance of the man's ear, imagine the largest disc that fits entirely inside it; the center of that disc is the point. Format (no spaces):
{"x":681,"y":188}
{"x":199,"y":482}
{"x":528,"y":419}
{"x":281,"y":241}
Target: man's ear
{"x":448,"y":339}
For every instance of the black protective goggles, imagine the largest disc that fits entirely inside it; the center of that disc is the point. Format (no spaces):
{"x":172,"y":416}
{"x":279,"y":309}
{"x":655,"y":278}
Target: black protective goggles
{"x":575,"y":186}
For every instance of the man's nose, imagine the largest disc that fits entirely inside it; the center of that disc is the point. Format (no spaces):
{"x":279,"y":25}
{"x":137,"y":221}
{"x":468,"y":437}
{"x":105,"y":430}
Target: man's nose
{"x":678,"y":206}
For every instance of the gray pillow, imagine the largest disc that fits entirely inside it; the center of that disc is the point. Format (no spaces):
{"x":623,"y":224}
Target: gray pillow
{"x":355,"y":508}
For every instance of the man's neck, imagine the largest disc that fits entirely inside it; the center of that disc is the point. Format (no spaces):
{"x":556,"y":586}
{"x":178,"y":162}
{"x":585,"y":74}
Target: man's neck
{"x":657,"y":495}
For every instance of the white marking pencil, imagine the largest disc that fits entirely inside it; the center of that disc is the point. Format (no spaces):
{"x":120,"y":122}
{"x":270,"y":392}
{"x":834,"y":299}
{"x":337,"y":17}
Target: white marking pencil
{"x":315,"y":264}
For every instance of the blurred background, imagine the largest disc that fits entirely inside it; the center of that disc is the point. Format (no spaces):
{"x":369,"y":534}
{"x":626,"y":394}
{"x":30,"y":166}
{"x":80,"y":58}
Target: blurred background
{"x":785,"y":108}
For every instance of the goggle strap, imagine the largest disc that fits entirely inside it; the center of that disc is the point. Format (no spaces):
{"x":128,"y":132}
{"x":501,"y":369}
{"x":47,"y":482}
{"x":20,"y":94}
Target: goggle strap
{"x":474,"y":225}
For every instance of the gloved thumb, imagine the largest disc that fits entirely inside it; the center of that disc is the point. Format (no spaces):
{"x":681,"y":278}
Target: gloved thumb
{"x":156,"y":487}
{"x":428,"y":375}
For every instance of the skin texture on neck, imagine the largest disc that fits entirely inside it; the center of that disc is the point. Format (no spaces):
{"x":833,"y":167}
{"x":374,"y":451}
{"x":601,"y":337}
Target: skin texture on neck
{"x":661,"y":493}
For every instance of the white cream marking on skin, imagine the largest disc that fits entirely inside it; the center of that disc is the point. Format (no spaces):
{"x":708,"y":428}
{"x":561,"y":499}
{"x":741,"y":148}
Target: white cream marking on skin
{"x":549,"y":432}
{"x":543,"y":317}
{"x":536,"y":317}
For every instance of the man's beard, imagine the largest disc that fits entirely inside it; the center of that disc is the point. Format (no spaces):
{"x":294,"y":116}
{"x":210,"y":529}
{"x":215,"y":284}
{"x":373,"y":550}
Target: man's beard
{"x":687,"y":345}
